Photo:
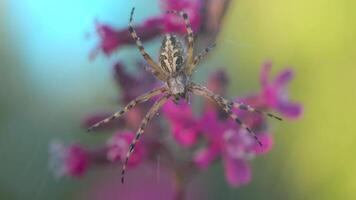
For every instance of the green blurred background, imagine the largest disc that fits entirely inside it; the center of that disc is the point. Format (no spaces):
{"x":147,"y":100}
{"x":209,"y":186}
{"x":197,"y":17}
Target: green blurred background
{"x":48,"y":85}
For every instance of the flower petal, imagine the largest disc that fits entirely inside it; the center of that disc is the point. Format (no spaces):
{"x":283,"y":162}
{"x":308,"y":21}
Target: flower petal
{"x":72,"y":160}
{"x":237,"y":171}
{"x":186,"y":136}
{"x":267,"y":144}
{"x":212,"y":126}
{"x":290,"y":109}
{"x":270,"y":96}
{"x":184,"y":126}
{"x":118,"y":146}
{"x":206,"y":156}
{"x":112,"y":39}
{"x":179,"y":112}
{"x":77,"y":161}
{"x":173,"y":23}
{"x":109,"y":38}
{"x":265,"y":72}
{"x":283,"y":78}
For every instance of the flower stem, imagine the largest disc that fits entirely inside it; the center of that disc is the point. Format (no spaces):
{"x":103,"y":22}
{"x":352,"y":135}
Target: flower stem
{"x":179,"y":189}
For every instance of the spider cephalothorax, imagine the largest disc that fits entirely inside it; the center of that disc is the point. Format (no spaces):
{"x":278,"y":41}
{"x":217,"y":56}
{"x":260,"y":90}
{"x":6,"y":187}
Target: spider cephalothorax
{"x":174,"y":69}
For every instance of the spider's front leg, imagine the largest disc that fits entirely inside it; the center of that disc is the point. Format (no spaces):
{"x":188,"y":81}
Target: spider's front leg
{"x":198,"y":58}
{"x":143,"y":98}
{"x":154,"y":109}
{"x":156,"y":70}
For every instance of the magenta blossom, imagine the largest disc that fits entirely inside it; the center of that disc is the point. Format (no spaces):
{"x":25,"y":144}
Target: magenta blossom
{"x":70,"y":160}
{"x":172,"y":23}
{"x":274,"y":93}
{"x":235,"y":146}
{"x":111,"y":38}
{"x":184,"y":126}
{"x":118,"y":146}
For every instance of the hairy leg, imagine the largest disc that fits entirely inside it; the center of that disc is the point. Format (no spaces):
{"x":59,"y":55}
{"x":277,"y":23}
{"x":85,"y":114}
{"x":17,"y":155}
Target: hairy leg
{"x":154,"y":109}
{"x":199,"y":57}
{"x":156,"y":70}
{"x":225,"y":104}
{"x":237,"y":105}
{"x":143,"y":98}
{"x":202,"y":54}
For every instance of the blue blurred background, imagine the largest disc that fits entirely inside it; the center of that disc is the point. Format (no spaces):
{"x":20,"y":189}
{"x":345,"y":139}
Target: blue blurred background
{"x":47,"y":86}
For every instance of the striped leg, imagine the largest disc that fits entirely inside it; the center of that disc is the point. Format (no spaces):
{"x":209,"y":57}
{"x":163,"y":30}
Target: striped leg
{"x":225,"y":104}
{"x":143,"y":98}
{"x":188,"y":26}
{"x":200,"y":56}
{"x":155,"y":67}
{"x":246,"y":107}
{"x":237,"y":105}
{"x":154,"y":109}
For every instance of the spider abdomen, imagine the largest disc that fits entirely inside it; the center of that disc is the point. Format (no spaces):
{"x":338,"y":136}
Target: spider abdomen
{"x":171,"y":56}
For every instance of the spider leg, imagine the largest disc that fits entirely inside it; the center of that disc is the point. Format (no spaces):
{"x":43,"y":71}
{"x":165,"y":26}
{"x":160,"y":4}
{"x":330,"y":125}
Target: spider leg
{"x":237,"y":105}
{"x":246,"y":107}
{"x":156,"y":70}
{"x":154,"y":109}
{"x":143,"y":98}
{"x":199,"y":57}
{"x":189,"y":29}
{"x":225,"y":104}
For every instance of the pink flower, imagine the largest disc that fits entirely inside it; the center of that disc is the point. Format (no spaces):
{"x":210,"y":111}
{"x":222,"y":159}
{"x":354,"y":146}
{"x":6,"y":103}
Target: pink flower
{"x":118,"y":146}
{"x":70,"y":160}
{"x":234,"y":145}
{"x":274,"y":93}
{"x":174,"y":23}
{"x":111,"y":39}
{"x":184,"y":126}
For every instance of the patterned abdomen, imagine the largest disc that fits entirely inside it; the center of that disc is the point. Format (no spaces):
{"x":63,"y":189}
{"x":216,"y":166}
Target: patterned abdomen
{"x":171,"y":54}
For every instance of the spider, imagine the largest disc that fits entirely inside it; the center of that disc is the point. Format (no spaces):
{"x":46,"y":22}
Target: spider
{"x":175,"y":69}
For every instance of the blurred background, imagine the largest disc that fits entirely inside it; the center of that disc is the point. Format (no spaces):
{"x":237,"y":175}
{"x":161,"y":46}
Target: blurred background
{"x":47,"y":86}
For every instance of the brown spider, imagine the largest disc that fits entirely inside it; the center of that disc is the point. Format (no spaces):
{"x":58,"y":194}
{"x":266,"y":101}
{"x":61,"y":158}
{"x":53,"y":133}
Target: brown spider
{"x":175,"y":69}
